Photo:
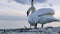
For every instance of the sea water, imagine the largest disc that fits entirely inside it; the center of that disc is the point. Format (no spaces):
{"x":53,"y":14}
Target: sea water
{"x":9,"y":24}
{"x":13,"y":24}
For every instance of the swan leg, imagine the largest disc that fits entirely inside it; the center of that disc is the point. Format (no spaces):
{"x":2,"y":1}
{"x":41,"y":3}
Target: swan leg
{"x":42,"y":25}
{"x":30,"y":26}
{"x":35,"y":25}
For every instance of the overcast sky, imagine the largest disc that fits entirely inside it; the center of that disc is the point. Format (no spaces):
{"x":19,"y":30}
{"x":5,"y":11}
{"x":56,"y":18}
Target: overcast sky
{"x":17,"y":9}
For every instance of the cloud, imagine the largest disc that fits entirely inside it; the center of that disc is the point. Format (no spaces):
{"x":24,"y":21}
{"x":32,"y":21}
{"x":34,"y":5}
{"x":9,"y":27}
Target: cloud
{"x":49,"y":2}
{"x":20,"y":1}
{"x":29,"y":1}
{"x":54,"y":2}
{"x":41,"y":1}
{"x":12,"y":11}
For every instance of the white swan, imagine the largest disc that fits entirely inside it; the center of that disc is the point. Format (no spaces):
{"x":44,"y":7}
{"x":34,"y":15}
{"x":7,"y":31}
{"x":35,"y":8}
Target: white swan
{"x":42,"y":16}
{"x":32,"y":10}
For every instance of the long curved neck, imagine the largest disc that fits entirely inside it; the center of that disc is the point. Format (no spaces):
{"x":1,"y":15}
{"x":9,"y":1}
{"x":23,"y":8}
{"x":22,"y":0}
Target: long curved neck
{"x":31,"y":9}
{"x":32,"y":3}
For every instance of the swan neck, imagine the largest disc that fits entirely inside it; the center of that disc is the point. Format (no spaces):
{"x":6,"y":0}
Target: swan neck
{"x":32,"y":3}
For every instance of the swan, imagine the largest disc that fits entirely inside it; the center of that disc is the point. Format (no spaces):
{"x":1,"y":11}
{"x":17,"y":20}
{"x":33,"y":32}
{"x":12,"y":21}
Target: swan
{"x":32,"y":10}
{"x":41,"y":16}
